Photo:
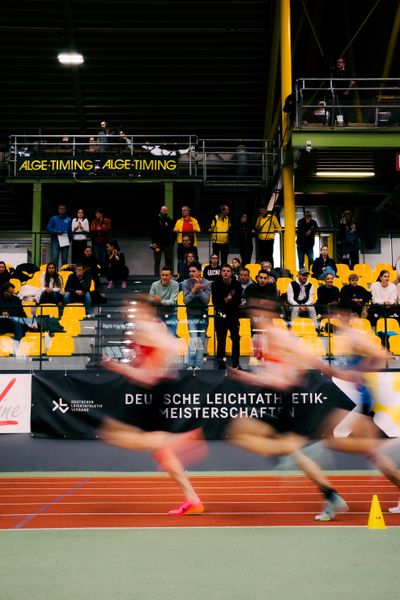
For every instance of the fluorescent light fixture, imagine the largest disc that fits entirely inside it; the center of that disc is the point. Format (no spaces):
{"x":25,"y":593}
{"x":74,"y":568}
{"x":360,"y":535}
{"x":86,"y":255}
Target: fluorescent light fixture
{"x":70,"y":58}
{"x":346,"y":174}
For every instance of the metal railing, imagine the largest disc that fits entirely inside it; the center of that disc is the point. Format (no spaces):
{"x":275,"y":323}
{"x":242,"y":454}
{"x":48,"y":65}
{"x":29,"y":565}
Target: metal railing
{"x":236,"y":160}
{"x":336,"y":102}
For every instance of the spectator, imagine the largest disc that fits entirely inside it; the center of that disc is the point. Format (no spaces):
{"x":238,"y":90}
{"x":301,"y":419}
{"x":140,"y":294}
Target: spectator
{"x":5,"y":274}
{"x":60,"y":228}
{"x":186,"y":246}
{"x":236,"y":266}
{"x":213,"y":270}
{"x":273,"y":273}
{"x":245,"y":240}
{"x":186,"y":225}
{"x":384,"y":298}
{"x":115,"y":269}
{"x":219,"y":229}
{"x":80,"y":236}
{"x":162,"y":240}
{"x":93,"y":145}
{"x":196,"y":296}
{"x":327,"y":296}
{"x":348,"y":240}
{"x":323,"y":265}
{"x":397,"y":268}
{"x":354,"y":296}
{"x":300,"y":297}
{"x":190,"y":259}
{"x":105,"y":137}
{"x":100,"y":228}
{"x":13,"y":318}
{"x":89,"y":261}
{"x":342,"y":95}
{"x":125,"y":143}
{"x":164,"y":295}
{"x":51,"y":286}
{"x":259,"y":296}
{"x":263,"y":291}
{"x":245,"y":282}
{"x":77,"y":289}
{"x":307,"y":227}
{"x":226,"y":296}
{"x":265,"y":228}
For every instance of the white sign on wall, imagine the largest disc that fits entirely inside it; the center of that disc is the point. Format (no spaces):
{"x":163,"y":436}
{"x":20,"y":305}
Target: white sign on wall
{"x":15,"y":403}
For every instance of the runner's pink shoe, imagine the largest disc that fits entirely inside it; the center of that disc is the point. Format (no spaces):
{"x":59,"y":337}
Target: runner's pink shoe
{"x":187,"y":508}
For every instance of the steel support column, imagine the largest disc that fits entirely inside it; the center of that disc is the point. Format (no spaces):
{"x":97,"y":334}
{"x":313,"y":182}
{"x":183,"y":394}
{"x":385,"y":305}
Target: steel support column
{"x":36,"y":222}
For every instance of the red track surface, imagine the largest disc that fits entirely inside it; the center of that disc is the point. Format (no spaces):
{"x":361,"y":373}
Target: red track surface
{"x":230,"y":501}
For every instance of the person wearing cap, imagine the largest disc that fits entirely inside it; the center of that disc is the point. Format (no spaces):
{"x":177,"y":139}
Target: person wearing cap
{"x":300,"y":297}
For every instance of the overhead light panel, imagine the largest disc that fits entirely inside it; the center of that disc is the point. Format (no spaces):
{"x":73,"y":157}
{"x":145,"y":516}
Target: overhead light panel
{"x":346,"y":174}
{"x":70,"y":58}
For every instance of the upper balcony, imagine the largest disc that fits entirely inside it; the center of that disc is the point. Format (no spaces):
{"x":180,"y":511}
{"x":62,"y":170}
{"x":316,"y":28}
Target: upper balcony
{"x":357,"y":113}
{"x":140,"y":158}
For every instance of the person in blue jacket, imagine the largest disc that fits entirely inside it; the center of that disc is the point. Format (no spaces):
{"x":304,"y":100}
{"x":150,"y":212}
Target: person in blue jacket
{"x":60,"y":228}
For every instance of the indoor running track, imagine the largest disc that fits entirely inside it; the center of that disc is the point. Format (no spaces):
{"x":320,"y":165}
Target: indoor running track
{"x":79,"y":502}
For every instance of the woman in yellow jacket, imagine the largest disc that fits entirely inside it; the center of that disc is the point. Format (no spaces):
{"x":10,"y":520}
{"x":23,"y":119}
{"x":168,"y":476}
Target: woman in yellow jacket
{"x":265,"y":228}
{"x":220,"y":227}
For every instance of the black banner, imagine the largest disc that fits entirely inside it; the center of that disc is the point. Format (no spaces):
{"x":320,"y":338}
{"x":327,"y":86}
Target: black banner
{"x":73,"y":404}
{"x":143,"y":165}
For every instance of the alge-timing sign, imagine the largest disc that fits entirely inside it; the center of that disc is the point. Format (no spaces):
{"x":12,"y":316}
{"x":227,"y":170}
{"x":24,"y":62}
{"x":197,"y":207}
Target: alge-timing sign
{"x":99,"y":166}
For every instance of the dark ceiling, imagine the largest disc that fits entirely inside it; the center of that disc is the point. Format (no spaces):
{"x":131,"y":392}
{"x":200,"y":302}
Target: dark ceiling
{"x":171,"y":67}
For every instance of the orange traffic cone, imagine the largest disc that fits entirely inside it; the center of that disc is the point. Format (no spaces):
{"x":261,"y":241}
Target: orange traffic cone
{"x":376,"y":520}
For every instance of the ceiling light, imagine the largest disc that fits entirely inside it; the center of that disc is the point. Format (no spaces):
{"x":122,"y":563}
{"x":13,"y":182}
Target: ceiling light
{"x":346,"y":174}
{"x":70,"y":58}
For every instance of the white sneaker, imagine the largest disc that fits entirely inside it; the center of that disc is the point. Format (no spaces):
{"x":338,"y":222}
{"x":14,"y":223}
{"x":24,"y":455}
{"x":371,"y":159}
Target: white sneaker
{"x":333,"y":506}
{"x":395,"y":509}
{"x":197,"y":369}
{"x":189,"y":369}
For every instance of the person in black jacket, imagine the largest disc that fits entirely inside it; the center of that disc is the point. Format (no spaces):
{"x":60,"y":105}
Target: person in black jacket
{"x":162,"y":240}
{"x":12,"y":315}
{"x":89,"y":261}
{"x":244,"y":236}
{"x":327,"y":296}
{"x":226,"y":296}
{"x":307,"y":227}
{"x":354,"y":296}
{"x":115,"y":269}
{"x":77,"y":288}
{"x":323,"y":265}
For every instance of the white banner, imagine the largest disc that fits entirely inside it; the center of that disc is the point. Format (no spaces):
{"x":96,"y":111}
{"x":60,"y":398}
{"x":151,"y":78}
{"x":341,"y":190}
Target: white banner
{"x":15,"y":403}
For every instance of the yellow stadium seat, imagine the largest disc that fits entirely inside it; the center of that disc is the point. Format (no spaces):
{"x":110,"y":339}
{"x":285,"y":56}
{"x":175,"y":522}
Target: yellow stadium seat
{"x":64,"y":276}
{"x":28,"y":306}
{"x":32,"y":344}
{"x":391,"y":325}
{"x":279,"y":323}
{"x":181,"y":314}
{"x":246,"y":346}
{"x":72,"y":326}
{"x":211,"y":328}
{"x":360,"y":324}
{"x":245,"y":327}
{"x":364,"y":271}
{"x":183,"y":345}
{"x":340,"y":345}
{"x":324,"y":322}
{"x":338,"y":283}
{"x":254,"y":269}
{"x":35,"y":280}
{"x":315,"y":283}
{"x":16,"y":283}
{"x":343,"y":272}
{"x":43,"y":268}
{"x":303,"y":327}
{"x":315,"y":345}
{"x":394,"y":344}
{"x":74,"y":311}
{"x":61,"y":344}
{"x":282,"y":284}
{"x":47,"y":309}
{"x":6,"y":345}
{"x":182,"y":329}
